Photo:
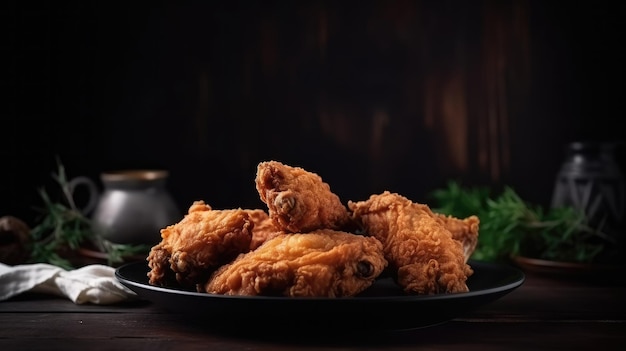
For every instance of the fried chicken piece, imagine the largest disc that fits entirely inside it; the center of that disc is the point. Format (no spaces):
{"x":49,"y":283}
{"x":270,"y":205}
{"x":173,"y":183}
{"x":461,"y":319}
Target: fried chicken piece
{"x":464,"y":230}
{"x":322,"y":263}
{"x":198,"y":244}
{"x":264,"y":228}
{"x":299,"y":201}
{"x":420,"y":250}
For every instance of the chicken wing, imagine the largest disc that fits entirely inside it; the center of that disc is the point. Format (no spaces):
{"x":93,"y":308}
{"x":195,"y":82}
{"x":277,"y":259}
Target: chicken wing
{"x":299,"y":201}
{"x":201,"y":242}
{"x":464,"y":230}
{"x":322,"y":263}
{"x":264,"y":228}
{"x":420,"y":250}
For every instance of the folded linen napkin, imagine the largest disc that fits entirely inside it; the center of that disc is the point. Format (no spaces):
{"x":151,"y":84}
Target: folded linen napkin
{"x":94,"y":283}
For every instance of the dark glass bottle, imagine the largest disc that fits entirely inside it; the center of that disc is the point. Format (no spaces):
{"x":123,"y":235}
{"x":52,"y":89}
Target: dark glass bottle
{"x":591,"y":180}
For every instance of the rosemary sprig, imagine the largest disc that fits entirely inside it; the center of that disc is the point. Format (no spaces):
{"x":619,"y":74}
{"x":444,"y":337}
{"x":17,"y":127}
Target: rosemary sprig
{"x":510,"y":226}
{"x":63,"y":226}
{"x":118,"y":252}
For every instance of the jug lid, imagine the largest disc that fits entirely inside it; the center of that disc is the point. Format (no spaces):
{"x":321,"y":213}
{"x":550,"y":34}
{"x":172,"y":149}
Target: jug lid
{"x":134,"y":174}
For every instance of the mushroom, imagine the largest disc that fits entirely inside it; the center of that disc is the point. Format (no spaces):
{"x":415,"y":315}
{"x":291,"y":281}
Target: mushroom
{"x":15,"y":240}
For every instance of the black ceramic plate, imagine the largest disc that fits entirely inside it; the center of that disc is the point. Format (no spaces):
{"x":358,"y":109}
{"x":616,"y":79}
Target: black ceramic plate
{"x":381,"y":307}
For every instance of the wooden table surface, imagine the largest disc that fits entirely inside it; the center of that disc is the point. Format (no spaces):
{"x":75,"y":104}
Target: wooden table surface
{"x":545,"y":313}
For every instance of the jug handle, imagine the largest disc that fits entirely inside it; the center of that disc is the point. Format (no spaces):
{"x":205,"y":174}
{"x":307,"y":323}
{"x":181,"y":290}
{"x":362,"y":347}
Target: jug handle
{"x":92,"y":192}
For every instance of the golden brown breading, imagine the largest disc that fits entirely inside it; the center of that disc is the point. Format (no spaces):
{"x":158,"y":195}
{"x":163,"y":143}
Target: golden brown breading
{"x":299,"y":201}
{"x":464,"y":230}
{"x":420,"y":250}
{"x":323,"y":263}
{"x":264,"y":227}
{"x":201,"y":242}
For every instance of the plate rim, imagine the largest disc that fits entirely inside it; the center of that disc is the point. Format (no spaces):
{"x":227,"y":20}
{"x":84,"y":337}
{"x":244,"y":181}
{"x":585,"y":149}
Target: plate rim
{"x":509,"y":286}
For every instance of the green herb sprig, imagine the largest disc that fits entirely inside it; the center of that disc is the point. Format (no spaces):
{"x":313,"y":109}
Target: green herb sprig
{"x":510,"y":226}
{"x":63,"y":226}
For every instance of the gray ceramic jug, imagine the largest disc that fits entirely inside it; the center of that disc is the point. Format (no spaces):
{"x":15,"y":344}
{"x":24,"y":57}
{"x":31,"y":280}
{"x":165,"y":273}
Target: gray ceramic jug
{"x":133,"y":207}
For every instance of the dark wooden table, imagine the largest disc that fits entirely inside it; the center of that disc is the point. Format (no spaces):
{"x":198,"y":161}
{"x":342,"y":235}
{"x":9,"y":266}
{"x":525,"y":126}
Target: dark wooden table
{"x":544,"y":313}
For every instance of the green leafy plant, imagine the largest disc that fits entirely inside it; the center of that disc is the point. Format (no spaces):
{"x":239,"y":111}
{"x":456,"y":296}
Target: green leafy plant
{"x":63,"y":227}
{"x":510,"y":226}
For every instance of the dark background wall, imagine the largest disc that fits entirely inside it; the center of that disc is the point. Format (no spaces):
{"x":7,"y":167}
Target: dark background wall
{"x":397,"y":95}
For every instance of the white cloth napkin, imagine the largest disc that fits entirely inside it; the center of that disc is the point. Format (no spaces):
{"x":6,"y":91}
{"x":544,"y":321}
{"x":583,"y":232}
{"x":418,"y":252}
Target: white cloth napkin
{"x":94,"y":283}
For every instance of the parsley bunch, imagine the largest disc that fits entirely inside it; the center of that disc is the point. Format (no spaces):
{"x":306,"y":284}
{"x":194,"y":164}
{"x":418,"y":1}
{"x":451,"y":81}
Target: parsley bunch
{"x":509,"y":226}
